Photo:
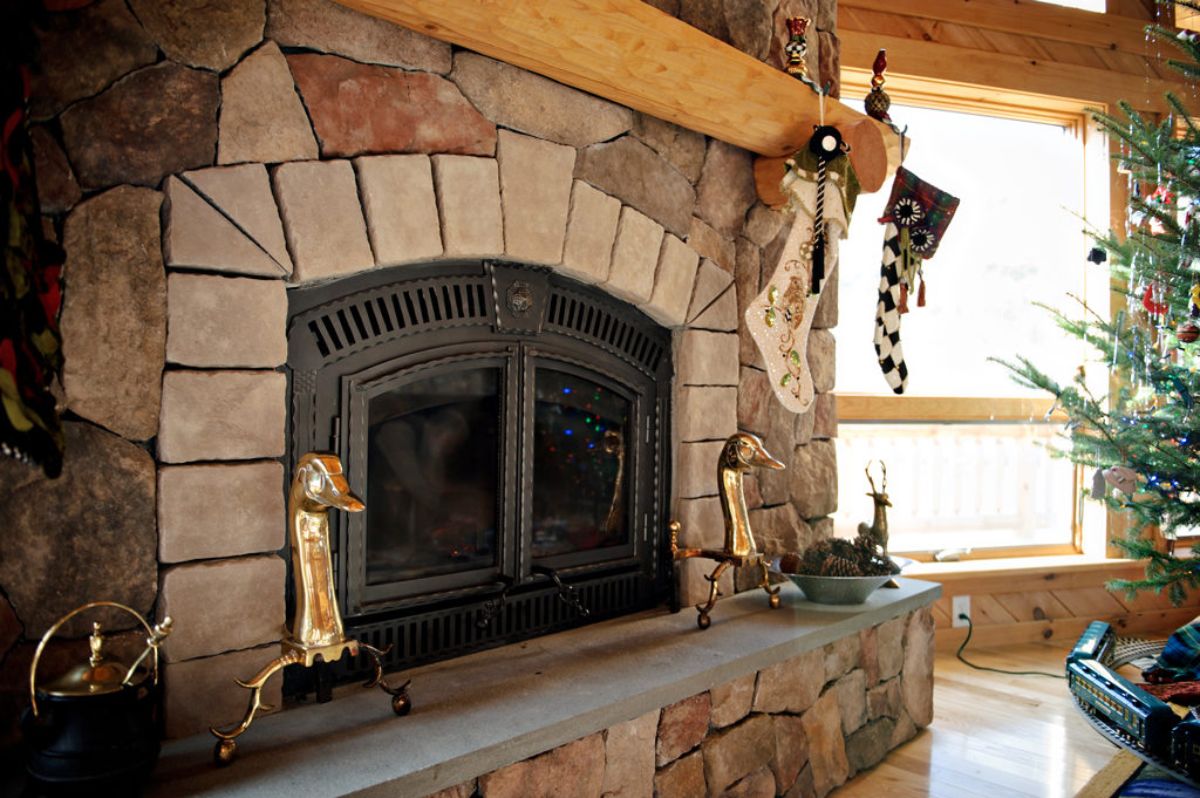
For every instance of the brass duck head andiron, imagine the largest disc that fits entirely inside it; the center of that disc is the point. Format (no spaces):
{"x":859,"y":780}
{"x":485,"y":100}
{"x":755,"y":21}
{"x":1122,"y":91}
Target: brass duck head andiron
{"x":742,"y":452}
{"x":317,"y":634}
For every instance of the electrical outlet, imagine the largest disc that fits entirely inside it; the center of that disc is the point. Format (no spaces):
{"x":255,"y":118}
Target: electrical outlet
{"x":960,"y":605}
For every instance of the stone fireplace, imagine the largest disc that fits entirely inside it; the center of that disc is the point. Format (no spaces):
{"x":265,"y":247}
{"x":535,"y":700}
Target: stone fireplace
{"x":211,"y":167}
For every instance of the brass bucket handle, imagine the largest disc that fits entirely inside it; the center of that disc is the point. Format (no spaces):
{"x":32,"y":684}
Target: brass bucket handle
{"x":37,"y":654}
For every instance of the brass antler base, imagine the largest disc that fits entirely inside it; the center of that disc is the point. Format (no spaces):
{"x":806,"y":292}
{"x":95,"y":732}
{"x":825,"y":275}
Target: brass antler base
{"x":724,"y":560}
{"x":294,"y":654}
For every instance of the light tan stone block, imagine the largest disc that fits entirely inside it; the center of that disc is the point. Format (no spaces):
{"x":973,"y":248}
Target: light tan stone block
{"x":243,"y":193}
{"x":705,"y":414}
{"x":683,"y":778}
{"x":813,"y":479}
{"x":579,"y":764}
{"x":702,"y":523}
{"x":852,"y":700}
{"x":712,"y":245}
{"x":731,"y":701}
{"x":261,"y":118}
{"x":535,"y":192}
{"x":210,"y":511}
{"x":791,"y":750}
{"x":822,"y":360}
{"x":707,"y":358}
{"x":681,"y":727}
{"x":916,"y":679}
{"x":733,"y":753}
{"x":322,"y":219}
{"x":222,"y":415}
{"x":222,"y":606}
{"x":226,"y":321}
{"x":114,"y":311}
{"x":696,"y":469}
{"x":635,"y":256}
{"x":673,"y":283}
{"x":591,"y":232}
{"x":629,"y":758}
{"x":826,"y":745}
{"x":825,"y":417}
{"x":198,"y":237}
{"x":200,"y":693}
{"x":400,"y":206}
{"x":711,"y":282}
{"x":890,"y":647}
{"x":792,"y":685}
{"x":468,"y":196}
{"x":842,"y":656}
{"x":720,"y":316}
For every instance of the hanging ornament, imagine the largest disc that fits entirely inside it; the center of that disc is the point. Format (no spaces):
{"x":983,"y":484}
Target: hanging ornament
{"x":1099,"y":484}
{"x":915,"y":219}
{"x":796,"y":51}
{"x":1123,"y":478}
{"x":1154,"y":299}
{"x":877,"y":101}
{"x":1188,"y":330}
{"x":822,"y":189}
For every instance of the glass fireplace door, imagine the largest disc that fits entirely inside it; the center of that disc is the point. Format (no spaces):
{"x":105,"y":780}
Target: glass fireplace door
{"x":584,"y":451}
{"x":434,"y":448}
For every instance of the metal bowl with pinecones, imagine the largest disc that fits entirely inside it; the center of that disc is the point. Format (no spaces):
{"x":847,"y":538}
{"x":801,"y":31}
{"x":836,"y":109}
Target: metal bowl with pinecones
{"x":839,"y":571}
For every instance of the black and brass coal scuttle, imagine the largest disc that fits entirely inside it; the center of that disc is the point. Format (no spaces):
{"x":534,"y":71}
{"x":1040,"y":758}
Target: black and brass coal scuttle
{"x":97,"y":726}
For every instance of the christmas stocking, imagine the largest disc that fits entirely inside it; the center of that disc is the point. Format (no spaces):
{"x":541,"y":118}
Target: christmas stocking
{"x":916,"y":218}
{"x":822,"y":189}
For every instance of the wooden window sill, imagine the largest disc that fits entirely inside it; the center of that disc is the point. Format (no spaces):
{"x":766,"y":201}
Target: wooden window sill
{"x":1023,"y":573}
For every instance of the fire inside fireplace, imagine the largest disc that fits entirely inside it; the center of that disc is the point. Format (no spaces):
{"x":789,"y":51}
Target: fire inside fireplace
{"x":507,"y":430}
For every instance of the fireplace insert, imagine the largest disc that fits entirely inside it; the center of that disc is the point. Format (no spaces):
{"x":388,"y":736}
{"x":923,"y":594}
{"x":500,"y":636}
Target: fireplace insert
{"x":508,"y":430}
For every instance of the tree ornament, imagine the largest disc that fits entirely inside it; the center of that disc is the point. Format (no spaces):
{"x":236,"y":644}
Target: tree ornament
{"x":915,"y":219}
{"x":877,"y":101}
{"x":1123,"y":478}
{"x":1187,"y":331}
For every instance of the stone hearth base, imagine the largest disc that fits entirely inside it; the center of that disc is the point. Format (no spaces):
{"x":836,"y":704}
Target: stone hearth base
{"x":790,"y":702}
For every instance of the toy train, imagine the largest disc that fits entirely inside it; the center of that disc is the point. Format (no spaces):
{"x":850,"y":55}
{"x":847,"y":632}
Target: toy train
{"x":1127,"y":714}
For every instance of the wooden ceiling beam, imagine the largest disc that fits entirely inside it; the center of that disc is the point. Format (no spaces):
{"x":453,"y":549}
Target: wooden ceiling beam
{"x":631,"y":53}
{"x":926,"y":59}
{"x":1023,"y":17}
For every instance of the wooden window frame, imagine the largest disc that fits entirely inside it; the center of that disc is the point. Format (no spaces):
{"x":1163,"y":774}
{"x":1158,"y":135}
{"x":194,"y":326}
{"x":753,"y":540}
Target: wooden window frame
{"x":1069,"y":113}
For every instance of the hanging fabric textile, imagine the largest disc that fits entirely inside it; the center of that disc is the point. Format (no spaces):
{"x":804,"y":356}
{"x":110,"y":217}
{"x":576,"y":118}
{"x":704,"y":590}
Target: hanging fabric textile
{"x":915,"y":218}
{"x":822,"y":190}
{"x":30,"y":286}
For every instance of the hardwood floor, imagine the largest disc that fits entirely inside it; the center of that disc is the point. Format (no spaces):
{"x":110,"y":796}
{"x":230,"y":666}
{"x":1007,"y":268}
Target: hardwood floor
{"x":993,"y":734}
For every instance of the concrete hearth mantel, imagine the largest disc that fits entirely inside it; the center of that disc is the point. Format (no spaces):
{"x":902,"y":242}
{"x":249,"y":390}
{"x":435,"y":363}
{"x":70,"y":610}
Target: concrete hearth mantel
{"x":481,"y":712}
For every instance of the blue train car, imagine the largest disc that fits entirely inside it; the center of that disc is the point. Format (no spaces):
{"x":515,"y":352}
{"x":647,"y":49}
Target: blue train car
{"x":1095,"y":643}
{"x":1132,"y":713}
{"x":1185,"y":747}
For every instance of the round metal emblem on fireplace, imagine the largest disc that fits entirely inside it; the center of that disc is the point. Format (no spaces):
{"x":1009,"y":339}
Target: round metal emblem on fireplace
{"x":520,"y":298}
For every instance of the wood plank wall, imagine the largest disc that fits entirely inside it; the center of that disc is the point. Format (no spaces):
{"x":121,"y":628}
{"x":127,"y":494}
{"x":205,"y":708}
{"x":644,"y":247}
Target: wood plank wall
{"x":1008,"y":49}
{"x":1018,"y":604}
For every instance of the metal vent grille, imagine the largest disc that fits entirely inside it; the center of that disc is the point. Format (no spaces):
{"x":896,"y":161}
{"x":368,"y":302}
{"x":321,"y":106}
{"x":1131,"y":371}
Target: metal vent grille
{"x":375,"y":316}
{"x":586,"y":318}
{"x":448,"y":633}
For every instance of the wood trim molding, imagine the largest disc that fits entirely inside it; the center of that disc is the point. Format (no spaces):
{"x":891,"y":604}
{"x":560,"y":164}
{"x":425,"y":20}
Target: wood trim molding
{"x":921,"y":59}
{"x":631,"y":53}
{"x":862,"y":407}
{"x":1025,"y":18}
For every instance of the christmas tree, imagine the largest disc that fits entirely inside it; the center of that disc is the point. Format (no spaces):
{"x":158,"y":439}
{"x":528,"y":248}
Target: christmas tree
{"x":1142,"y":436}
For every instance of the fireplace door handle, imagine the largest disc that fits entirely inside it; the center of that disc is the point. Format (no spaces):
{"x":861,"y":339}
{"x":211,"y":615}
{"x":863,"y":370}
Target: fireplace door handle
{"x":567,"y":593}
{"x":492,"y":606}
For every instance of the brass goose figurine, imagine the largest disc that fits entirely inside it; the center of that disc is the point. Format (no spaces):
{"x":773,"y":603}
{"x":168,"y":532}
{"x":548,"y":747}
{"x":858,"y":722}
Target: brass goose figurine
{"x":742,"y":451}
{"x":317,"y":633}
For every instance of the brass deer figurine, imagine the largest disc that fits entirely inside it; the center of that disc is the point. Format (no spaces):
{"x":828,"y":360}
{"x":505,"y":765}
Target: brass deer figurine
{"x":317,"y":634}
{"x":877,"y":531}
{"x":742,"y":451}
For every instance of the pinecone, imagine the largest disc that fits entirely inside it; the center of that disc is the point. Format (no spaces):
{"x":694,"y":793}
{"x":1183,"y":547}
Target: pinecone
{"x":791,"y":563}
{"x":839,"y":566}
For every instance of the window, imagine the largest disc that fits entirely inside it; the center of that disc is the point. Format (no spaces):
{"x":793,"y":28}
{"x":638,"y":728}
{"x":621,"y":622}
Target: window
{"x":964,"y":446}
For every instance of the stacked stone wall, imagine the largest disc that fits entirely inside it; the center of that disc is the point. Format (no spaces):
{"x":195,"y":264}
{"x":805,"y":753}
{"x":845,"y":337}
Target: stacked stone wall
{"x":198,"y":159}
{"x":799,"y":729}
